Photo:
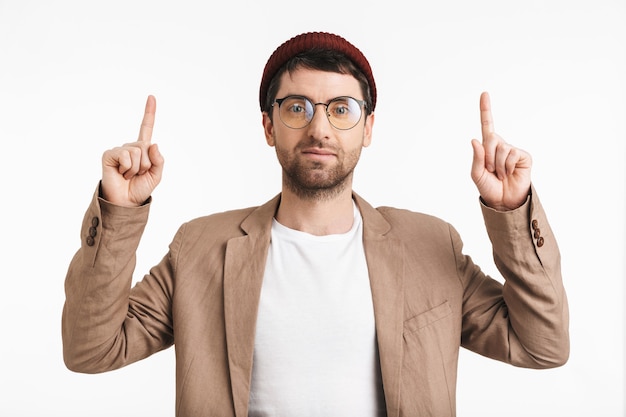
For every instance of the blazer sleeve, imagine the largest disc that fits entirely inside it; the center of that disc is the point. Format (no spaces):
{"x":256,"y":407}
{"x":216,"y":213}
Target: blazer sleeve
{"x":105,"y":324}
{"x":525,"y":321}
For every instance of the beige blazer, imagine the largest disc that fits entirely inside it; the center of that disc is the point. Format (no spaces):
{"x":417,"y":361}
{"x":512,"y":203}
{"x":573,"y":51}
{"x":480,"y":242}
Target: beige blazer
{"x":429,"y":299}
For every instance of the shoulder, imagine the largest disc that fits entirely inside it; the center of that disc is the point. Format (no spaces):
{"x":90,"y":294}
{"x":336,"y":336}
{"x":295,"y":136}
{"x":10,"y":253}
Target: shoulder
{"x":229,"y":216}
{"x":226,"y":223}
{"x":399,"y":215}
{"x":401,"y":223}
{"x":255,"y":221}
{"x":405,"y":222}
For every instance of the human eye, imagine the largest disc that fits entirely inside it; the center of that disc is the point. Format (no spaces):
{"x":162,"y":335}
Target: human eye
{"x":341,"y":107}
{"x":295,"y":105}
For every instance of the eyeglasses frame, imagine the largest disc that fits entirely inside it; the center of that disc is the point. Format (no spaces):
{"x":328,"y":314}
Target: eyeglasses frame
{"x":362,"y":105}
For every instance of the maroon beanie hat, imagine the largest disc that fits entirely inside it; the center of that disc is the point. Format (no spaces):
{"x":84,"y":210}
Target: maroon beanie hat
{"x":306,"y":41}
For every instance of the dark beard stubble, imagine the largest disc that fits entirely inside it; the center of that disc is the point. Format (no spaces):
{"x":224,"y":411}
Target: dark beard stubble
{"x":312,"y":180}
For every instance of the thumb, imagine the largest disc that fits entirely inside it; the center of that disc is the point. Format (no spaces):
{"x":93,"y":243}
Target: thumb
{"x":157,"y":160}
{"x":478,"y":162}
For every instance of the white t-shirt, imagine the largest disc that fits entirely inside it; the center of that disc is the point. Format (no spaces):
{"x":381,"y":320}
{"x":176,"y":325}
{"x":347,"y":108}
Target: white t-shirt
{"x":315,"y":350}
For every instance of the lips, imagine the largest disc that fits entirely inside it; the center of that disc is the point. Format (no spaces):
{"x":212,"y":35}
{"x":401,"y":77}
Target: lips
{"x":318,"y":151}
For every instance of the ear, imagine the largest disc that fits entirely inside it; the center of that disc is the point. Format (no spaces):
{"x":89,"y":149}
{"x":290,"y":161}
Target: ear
{"x":367,"y":130}
{"x":268,"y":129}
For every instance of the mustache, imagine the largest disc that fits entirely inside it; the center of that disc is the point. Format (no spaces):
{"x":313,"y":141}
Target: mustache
{"x":316,"y":143}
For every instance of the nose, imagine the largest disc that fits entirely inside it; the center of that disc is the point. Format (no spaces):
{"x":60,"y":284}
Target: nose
{"x":320,"y":127}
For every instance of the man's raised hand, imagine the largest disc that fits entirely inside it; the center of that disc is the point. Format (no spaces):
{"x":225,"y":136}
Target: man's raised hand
{"x":500,"y":171}
{"x":131,"y":172}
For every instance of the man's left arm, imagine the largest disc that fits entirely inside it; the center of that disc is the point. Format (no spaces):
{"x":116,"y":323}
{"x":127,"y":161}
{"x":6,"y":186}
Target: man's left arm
{"x":531,"y":325}
{"x":526,"y":254}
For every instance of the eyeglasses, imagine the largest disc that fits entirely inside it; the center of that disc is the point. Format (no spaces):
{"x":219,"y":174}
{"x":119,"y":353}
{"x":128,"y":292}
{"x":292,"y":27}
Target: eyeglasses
{"x":297,"y":112}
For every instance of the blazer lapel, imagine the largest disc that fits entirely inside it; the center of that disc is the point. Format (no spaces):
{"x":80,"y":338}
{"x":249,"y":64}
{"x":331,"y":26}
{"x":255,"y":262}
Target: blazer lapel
{"x":385,"y":262}
{"x":244,"y":266}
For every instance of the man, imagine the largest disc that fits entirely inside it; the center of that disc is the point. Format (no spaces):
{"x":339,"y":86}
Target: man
{"x":316,"y":303}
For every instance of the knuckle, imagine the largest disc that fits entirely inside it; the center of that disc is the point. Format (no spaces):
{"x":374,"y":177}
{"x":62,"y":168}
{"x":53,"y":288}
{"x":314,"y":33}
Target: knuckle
{"x":133,"y":151}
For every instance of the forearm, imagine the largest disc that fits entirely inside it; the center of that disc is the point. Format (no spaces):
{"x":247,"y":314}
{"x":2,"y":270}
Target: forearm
{"x":97,"y":287}
{"x":528,"y":258}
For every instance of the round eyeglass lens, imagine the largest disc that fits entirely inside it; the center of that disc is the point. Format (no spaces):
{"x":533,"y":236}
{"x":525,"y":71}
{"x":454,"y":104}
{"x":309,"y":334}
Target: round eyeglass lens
{"x":296,"y":111}
{"x":344,"y":112}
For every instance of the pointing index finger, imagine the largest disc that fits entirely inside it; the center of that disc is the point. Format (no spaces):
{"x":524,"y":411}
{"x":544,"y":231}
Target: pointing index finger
{"x":147,"y":124}
{"x":486,"y":118}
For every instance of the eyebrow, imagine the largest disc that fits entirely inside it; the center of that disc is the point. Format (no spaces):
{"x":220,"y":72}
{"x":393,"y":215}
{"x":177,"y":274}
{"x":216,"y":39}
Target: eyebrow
{"x":322,"y":102}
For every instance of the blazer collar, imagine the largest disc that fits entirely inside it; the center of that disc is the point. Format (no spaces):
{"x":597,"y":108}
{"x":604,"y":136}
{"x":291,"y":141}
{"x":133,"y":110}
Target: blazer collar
{"x":244,"y":266}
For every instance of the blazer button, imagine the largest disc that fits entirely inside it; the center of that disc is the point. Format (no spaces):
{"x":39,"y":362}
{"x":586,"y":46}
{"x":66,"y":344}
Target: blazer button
{"x":535,"y":224}
{"x":93,"y":231}
{"x":537,"y":233}
{"x":540,"y":242}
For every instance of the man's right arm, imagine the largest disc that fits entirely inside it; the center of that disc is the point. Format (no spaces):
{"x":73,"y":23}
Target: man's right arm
{"x":102,"y":327}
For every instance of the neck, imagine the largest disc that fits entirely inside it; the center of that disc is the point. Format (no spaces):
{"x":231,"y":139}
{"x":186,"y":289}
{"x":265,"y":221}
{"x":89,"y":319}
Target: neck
{"x":317,"y":216}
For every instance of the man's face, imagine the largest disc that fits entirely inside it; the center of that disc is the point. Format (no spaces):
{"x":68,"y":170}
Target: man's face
{"x":317,"y":160}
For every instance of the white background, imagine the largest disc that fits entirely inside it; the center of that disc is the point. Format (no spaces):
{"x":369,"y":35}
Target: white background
{"x":74,"y":76}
